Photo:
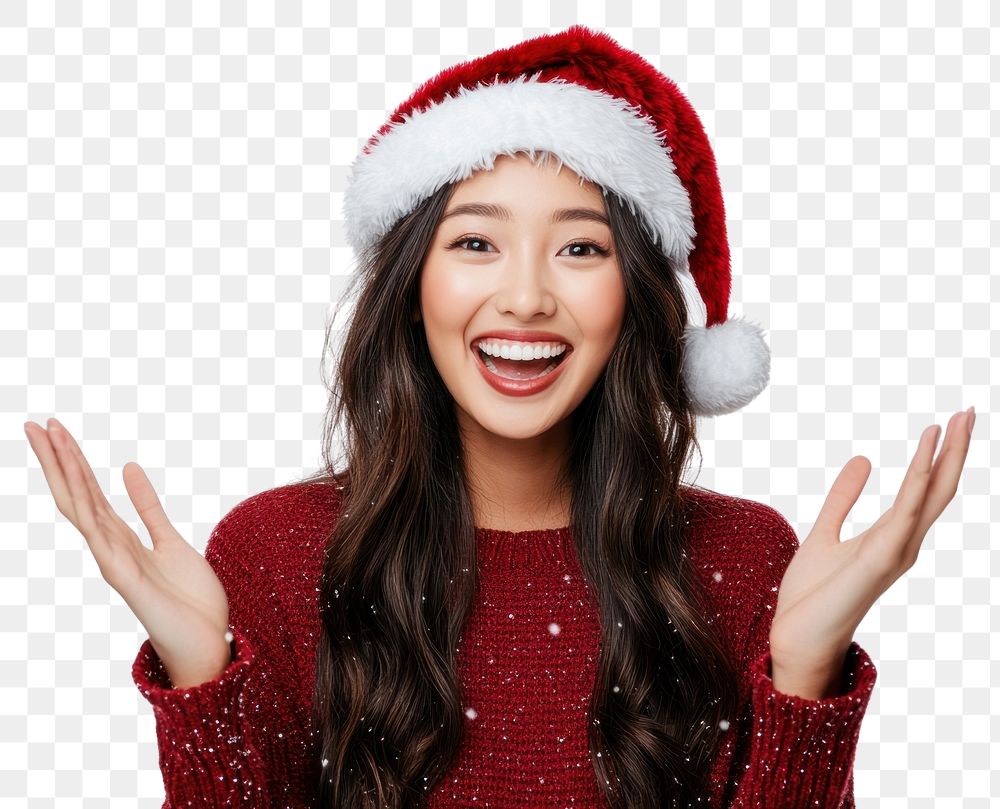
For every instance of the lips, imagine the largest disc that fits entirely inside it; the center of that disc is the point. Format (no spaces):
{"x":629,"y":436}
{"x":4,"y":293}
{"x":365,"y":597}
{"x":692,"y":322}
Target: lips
{"x":520,"y":387}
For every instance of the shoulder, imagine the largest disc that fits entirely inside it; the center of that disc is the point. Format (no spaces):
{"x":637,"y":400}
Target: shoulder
{"x":272,"y":519}
{"x":741,"y":523}
{"x":736,"y":539}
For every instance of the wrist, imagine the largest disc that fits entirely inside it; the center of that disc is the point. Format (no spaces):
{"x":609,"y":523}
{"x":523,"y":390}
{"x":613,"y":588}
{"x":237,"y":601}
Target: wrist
{"x":796,"y":677}
{"x":192,"y":673}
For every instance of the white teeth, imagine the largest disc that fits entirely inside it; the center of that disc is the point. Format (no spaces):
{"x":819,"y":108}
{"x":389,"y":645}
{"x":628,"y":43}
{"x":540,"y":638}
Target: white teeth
{"x":521,"y":351}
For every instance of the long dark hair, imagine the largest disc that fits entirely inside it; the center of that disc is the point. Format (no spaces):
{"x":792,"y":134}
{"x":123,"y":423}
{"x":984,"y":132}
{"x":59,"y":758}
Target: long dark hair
{"x":399,"y":576}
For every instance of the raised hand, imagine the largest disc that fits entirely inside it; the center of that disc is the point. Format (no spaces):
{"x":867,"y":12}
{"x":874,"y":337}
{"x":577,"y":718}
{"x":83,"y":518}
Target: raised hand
{"x":171,"y":588}
{"x":830,"y":584}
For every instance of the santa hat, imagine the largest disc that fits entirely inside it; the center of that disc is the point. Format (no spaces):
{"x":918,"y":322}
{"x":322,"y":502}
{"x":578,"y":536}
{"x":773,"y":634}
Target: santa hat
{"x":614,"y":119}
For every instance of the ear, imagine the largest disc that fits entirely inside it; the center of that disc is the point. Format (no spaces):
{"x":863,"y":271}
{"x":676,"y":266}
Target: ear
{"x":415,"y":317}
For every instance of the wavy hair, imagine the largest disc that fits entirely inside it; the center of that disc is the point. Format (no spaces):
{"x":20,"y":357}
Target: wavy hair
{"x":399,"y":576}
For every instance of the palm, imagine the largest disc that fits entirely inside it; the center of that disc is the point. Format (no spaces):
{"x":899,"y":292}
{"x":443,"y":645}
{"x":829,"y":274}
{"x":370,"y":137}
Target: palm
{"x":171,"y":581}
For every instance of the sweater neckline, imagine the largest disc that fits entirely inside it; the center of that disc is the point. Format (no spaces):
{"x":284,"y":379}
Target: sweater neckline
{"x":560,"y":529}
{"x":520,"y":550}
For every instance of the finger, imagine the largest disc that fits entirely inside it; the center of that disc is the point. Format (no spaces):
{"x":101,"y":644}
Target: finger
{"x":944,"y":476}
{"x":147,"y":502}
{"x":41,"y":444}
{"x":910,"y":500}
{"x":79,"y":492}
{"x":843,"y":495}
{"x":96,"y":492}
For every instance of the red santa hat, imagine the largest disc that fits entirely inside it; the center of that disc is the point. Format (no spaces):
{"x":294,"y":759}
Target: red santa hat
{"x":614,"y":119}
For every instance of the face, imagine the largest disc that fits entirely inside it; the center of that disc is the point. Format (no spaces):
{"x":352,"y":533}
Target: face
{"x":529,"y":269}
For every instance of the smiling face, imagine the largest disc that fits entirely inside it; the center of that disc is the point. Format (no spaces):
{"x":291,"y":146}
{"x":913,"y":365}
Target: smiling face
{"x":527,"y":269}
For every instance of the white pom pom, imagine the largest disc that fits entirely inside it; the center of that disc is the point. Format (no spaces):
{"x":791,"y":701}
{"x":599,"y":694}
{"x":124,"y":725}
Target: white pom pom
{"x":725,"y":366}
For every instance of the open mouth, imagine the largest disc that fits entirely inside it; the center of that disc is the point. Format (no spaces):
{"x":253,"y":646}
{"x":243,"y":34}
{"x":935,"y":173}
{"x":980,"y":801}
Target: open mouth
{"x":522,"y":370}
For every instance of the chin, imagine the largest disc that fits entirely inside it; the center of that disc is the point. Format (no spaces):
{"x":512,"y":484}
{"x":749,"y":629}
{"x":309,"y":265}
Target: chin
{"x":500,"y":424}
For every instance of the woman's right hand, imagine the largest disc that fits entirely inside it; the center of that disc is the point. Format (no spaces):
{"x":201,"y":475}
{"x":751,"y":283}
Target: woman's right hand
{"x":171,"y":588}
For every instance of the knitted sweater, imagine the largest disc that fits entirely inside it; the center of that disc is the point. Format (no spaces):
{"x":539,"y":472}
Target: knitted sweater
{"x":527,"y":661}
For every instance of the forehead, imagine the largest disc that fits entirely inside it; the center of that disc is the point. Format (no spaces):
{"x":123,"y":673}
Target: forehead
{"x":553,"y":185}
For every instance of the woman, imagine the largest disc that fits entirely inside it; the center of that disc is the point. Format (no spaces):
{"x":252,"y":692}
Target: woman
{"x":507,"y":596}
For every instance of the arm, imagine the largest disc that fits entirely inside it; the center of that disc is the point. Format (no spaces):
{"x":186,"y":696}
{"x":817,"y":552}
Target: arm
{"x":238,"y":739}
{"x":787,"y":750}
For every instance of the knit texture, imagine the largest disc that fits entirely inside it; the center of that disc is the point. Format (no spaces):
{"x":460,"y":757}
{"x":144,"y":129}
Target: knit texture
{"x":527,"y":660}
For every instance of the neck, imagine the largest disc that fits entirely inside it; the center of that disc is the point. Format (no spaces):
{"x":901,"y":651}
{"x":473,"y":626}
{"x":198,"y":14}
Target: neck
{"x":514,"y":483}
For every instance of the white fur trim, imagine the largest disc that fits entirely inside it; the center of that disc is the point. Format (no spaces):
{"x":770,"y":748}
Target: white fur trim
{"x":725,"y":366}
{"x":599,"y":136}
{"x":696,"y":311}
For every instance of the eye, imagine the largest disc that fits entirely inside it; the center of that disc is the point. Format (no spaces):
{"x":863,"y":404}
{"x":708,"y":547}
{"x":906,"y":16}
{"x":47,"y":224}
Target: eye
{"x":468,"y":240}
{"x":597,"y":249}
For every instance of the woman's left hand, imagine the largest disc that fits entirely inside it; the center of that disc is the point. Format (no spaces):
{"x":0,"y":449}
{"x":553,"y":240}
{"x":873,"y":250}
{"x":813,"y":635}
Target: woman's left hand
{"x":830,"y":584}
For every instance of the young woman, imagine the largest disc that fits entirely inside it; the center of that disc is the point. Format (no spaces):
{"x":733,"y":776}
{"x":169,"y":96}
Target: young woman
{"x":507,"y":596}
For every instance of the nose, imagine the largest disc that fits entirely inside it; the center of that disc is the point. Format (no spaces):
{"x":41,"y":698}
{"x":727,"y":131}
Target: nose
{"x":524,"y":288}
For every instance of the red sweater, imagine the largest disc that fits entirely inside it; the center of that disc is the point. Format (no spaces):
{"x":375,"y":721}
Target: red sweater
{"x":527,"y":662}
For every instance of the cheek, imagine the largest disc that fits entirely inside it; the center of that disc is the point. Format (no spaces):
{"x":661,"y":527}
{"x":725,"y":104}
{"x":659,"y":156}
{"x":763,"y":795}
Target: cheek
{"x":446,"y":301}
{"x":601,"y":310}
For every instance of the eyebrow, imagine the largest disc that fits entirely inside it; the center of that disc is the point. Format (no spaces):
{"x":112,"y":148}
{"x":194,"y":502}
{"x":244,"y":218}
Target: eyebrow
{"x":493,"y":211}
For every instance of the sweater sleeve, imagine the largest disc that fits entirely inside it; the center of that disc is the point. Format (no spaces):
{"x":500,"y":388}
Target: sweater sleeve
{"x":208,"y":754}
{"x":785,"y":750}
{"x":234,"y":740}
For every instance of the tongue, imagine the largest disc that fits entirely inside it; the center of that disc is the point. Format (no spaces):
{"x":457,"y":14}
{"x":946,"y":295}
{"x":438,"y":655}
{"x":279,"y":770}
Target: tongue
{"x":521,"y":369}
